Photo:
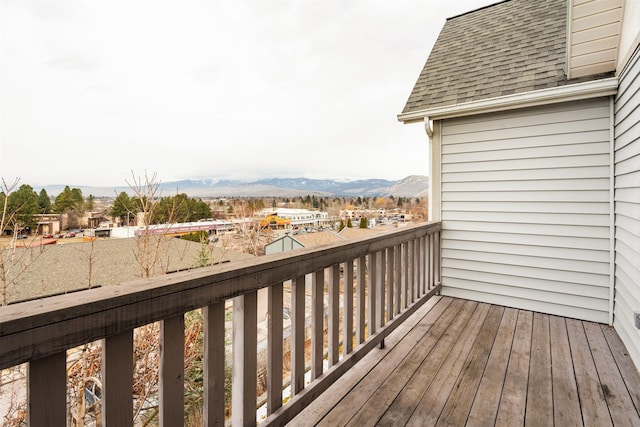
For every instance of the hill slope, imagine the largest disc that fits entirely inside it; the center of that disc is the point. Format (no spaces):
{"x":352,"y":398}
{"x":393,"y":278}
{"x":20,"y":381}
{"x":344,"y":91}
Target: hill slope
{"x":411,"y":186}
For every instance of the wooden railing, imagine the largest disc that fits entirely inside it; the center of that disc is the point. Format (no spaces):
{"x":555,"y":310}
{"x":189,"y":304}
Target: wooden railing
{"x":394,"y":274}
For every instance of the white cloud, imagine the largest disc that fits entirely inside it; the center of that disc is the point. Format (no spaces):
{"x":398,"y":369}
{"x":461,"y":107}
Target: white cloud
{"x":241,"y":89}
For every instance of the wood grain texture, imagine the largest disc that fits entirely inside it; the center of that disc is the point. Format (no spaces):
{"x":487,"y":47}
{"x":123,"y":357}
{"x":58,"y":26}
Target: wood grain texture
{"x":38,"y":328}
{"x":47,"y":391}
{"x":495,"y":366}
{"x":485,"y":405}
{"x":117,"y":380}
{"x":213,"y":365}
{"x":274,"y":349}
{"x":540,"y":391}
{"x":171,"y":374}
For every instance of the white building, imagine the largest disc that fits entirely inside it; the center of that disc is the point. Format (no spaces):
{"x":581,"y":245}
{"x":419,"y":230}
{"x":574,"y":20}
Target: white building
{"x":299,"y":217}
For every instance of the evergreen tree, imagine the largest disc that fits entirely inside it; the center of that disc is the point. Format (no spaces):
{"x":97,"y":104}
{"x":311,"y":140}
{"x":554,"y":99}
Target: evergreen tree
{"x":44,"y":202}
{"x":23,"y":203}
{"x":90,"y":203}
{"x":123,"y":207}
{"x":68,"y":200}
{"x":349,"y":223}
{"x":364,"y":223}
{"x":78,"y":200}
{"x":341,"y":226}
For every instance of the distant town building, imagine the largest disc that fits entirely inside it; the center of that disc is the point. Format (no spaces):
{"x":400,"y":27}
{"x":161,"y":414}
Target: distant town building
{"x":298,"y":217}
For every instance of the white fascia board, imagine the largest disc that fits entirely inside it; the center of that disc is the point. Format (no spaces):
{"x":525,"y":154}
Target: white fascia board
{"x":574,"y":92}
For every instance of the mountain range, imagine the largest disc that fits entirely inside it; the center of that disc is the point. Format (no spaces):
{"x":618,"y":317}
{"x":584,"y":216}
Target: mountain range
{"x":411,"y":186}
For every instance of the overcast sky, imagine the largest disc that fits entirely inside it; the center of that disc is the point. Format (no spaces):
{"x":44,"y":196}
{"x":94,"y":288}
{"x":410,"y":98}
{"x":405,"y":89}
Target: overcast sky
{"x":90,"y":90}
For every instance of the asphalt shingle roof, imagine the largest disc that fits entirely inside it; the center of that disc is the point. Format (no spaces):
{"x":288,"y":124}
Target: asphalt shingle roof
{"x":510,"y":47}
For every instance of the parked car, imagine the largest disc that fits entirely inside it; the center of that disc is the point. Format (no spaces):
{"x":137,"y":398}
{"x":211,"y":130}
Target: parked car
{"x":47,"y":236}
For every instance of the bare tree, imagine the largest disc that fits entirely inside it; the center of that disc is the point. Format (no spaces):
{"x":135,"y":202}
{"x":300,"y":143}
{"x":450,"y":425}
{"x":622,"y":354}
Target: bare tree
{"x":14,"y":261}
{"x":149,"y":247}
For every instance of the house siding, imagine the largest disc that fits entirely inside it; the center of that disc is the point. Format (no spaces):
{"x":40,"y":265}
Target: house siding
{"x":594,"y":33}
{"x":526,"y":208}
{"x":627,"y":206}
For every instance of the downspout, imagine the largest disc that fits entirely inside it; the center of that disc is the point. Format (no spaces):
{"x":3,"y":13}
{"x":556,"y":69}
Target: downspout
{"x":612,"y":211}
{"x":428,"y":127}
{"x":434,"y":172}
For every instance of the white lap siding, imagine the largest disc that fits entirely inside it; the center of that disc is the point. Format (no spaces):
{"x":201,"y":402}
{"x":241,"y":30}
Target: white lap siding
{"x":526,"y":208}
{"x":627,"y":207}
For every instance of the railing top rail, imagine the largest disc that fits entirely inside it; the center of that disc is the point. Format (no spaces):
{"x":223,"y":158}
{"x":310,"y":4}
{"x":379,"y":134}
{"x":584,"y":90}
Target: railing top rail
{"x":37,"y":328}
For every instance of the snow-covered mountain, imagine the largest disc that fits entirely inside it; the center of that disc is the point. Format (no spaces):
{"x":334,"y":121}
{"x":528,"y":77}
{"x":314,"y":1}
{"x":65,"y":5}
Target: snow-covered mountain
{"x":411,"y":186}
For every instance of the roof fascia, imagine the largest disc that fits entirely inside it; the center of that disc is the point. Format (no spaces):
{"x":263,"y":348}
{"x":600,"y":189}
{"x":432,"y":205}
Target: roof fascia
{"x":574,"y":92}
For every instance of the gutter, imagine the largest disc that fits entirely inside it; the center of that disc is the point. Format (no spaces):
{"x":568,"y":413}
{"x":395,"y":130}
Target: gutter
{"x":574,"y":92}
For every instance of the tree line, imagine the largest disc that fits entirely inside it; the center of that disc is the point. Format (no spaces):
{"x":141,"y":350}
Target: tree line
{"x":171,"y":209}
{"x":24,"y":204}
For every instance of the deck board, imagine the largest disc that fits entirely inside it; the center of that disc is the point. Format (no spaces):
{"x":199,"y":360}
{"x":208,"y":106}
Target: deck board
{"x":403,"y":378}
{"x":514,"y":393}
{"x":485,"y":406}
{"x":467,"y":363}
{"x":540,"y":391}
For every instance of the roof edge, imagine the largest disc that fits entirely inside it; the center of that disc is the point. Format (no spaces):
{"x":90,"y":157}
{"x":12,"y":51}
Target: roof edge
{"x":477,"y":9}
{"x":574,"y":92}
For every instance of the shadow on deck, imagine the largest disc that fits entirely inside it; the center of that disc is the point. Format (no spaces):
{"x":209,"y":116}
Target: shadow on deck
{"x":458,"y":362}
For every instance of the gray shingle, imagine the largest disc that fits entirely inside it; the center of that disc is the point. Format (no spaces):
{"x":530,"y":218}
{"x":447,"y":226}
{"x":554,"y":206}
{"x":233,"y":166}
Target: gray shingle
{"x":510,"y":47}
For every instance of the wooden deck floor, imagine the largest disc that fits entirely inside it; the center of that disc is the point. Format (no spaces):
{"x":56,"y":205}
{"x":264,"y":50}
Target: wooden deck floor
{"x":458,"y":362}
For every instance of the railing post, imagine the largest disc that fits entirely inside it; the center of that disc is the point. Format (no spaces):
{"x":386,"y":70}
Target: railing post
{"x":117,"y":380}
{"x":244,"y":370}
{"x":347,"y":309}
{"x":334,"y":314}
{"x":172,"y":371}
{"x":297,"y":335}
{"x":274,"y":352}
{"x":213,"y":365}
{"x":47,"y":391}
{"x":317,"y":323}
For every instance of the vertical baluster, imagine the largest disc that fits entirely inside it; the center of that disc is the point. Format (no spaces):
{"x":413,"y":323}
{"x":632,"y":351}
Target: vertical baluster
{"x":382,"y":291}
{"x":334,"y":314}
{"x":347,"y":309}
{"x":360,"y":300}
{"x":297,"y":335}
{"x":213,"y":365}
{"x":172,"y":371}
{"x":372,"y":288}
{"x":378,"y":284}
{"x":431,"y":257}
{"x":274,"y":351}
{"x":416,"y":269}
{"x":412,"y":270}
{"x":47,"y":390}
{"x":117,"y":379}
{"x":317,"y":323}
{"x":397,"y":274}
{"x":438,"y":257}
{"x":391,"y":283}
{"x":405,"y":274}
{"x":243,"y":395}
{"x":423,"y":263}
